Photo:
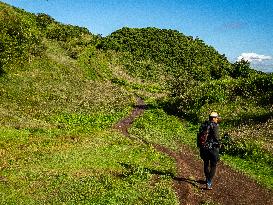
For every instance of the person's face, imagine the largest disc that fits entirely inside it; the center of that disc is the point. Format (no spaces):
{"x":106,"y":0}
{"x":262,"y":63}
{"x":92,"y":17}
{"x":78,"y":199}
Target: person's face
{"x":215,"y":119}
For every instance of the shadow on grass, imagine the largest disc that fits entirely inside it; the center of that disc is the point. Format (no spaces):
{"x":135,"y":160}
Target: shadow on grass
{"x":131,"y":169}
{"x":2,"y":72}
{"x":247,"y":118}
{"x":250,"y":118}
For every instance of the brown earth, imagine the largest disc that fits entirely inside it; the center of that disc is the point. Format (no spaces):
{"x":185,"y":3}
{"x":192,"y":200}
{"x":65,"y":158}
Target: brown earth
{"x":230,"y":187}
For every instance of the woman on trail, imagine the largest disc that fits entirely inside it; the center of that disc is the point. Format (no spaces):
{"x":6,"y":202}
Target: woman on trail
{"x":208,"y":143}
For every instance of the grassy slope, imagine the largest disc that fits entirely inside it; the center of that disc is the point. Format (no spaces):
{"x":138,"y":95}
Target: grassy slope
{"x":57,"y":144}
{"x":98,"y":168}
{"x":56,"y":140}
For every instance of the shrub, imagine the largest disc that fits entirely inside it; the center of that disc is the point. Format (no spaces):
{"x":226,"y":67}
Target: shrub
{"x":249,"y":150}
{"x":19,"y":37}
{"x":175,"y":51}
{"x":44,"y":20}
{"x":61,"y":32}
{"x":240,"y":69}
{"x":257,"y":87}
{"x":190,"y":96}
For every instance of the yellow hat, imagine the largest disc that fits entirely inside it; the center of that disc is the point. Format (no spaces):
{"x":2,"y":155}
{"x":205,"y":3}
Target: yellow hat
{"x":214,"y":114}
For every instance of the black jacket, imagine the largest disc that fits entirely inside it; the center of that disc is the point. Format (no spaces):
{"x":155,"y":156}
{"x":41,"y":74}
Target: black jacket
{"x":213,"y":133}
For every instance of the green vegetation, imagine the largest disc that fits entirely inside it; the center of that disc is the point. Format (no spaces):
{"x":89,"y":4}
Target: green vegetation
{"x":157,"y":127}
{"x":19,"y":39}
{"x":160,"y":51}
{"x":101,"y":168}
{"x":63,"y":88}
{"x":57,"y":111}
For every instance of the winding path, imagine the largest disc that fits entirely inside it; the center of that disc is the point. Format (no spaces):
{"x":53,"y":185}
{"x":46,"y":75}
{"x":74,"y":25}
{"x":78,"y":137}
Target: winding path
{"x":230,"y":187}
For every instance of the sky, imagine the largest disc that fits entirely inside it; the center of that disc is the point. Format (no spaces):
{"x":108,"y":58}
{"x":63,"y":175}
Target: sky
{"x":237,"y":28}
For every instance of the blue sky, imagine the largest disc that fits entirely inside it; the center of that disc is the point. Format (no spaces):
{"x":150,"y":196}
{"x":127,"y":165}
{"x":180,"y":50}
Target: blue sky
{"x":236,"y":28}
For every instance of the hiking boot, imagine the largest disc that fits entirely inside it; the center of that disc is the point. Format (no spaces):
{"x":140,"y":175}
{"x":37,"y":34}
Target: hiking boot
{"x":209,"y":185}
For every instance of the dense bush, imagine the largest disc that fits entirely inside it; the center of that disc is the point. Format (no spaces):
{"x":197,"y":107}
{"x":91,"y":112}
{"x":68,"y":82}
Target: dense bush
{"x":247,"y":150}
{"x":189,"y":96}
{"x":241,"y":69}
{"x":19,"y":37}
{"x":177,"y":52}
{"x":62,"y":32}
{"x":44,"y":20}
{"x":258,"y":86}
{"x":146,"y":69}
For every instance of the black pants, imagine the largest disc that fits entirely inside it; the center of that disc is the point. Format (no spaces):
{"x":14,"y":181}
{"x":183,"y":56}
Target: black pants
{"x":210,"y":158}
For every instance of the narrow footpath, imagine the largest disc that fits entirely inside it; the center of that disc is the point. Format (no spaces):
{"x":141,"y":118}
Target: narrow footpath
{"x":230,"y":187}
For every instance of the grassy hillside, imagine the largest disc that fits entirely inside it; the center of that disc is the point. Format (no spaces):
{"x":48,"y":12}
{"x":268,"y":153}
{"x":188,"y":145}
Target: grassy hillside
{"x":57,"y":144}
{"x":63,"y":88}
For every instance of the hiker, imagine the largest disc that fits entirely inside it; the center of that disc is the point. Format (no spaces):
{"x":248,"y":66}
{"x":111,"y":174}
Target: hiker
{"x":209,"y":144}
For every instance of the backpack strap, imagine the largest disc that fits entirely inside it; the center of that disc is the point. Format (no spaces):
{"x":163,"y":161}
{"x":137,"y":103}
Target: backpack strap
{"x":211,"y":137}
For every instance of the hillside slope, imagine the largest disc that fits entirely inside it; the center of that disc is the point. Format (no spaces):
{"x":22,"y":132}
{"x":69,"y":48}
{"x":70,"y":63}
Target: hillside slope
{"x":63,"y":89}
{"x":177,"y":52}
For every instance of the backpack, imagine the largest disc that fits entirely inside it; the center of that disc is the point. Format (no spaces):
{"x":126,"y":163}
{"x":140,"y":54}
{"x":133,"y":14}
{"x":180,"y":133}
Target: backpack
{"x":202,"y":135}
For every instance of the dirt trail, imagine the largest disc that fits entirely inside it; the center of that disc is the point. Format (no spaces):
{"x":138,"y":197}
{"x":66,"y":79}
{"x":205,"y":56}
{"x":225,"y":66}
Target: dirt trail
{"x":125,"y":123}
{"x":229,"y":187}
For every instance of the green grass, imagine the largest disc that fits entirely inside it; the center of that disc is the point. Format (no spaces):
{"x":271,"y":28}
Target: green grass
{"x":57,"y":145}
{"x":55,"y":85}
{"x":85,"y":123}
{"x":155,"y":126}
{"x":258,"y":170}
{"x":103,"y":168}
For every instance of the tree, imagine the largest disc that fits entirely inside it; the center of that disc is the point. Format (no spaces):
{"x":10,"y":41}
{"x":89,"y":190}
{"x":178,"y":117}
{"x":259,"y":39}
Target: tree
{"x":240,"y":69}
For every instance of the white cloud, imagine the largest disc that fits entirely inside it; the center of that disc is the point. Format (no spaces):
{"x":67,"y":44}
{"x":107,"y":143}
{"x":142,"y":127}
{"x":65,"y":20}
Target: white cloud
{"x":252,"y":57}
{"x":265,"y":67}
